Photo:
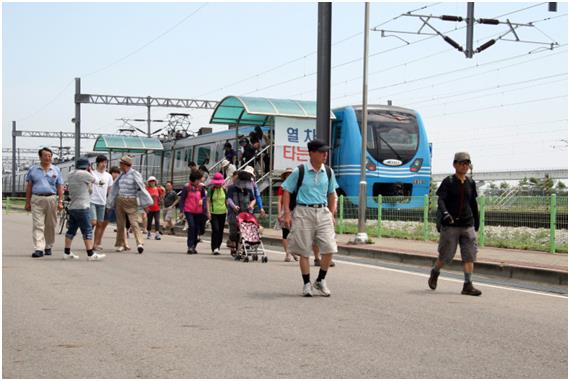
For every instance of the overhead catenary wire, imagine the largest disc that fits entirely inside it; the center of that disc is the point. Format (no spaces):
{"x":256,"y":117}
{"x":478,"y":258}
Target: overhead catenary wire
{"x":498,"y":106}
{"x":446,"y":82}
{"x":498,"y":87}
{"x":300,"y":58}
{"x":280,"y":83}
{"x":70,"y":82}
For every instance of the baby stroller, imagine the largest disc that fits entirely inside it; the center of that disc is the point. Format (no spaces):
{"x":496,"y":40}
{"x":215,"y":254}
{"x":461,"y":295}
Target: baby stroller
{"x":249,"y":242}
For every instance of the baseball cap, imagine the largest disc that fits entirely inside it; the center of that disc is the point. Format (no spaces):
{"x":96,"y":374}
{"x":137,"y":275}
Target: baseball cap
{"x":82,"y":163}
{"x":151,"y":178}
{"x":317,"y":145}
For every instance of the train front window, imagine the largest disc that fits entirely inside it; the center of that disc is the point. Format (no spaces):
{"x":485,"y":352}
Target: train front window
{"x":391,"y":135}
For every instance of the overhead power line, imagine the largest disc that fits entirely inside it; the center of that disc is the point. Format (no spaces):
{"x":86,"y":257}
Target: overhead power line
{"x":449,"y":72}
{"x":498,"y":106}
{"x":279,"y":66}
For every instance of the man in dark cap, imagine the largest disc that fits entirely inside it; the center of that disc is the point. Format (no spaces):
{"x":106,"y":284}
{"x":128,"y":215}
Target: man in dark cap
{"x":313,"y":220}
{"x":80,"y":185}
{"x":458,"y":220}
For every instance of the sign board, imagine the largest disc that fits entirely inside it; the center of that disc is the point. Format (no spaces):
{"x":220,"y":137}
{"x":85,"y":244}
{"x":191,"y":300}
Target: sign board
{"x":291,"y":138}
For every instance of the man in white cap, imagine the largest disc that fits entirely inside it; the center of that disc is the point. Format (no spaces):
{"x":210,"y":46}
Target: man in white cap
{"x":457,"y":222}
{"x":123,"y":199}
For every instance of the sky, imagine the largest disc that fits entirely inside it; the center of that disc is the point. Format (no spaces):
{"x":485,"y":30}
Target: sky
{"x":507,"y":106}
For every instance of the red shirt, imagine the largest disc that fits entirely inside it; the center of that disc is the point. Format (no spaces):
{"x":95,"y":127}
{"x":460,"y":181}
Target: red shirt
{"x":156,"y":194}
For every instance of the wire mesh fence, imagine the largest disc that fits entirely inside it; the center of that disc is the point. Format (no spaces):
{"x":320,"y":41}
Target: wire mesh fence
{"x":524,"y":222}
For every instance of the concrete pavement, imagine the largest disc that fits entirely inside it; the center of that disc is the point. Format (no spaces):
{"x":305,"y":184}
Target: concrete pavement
{"x":171,"y":315}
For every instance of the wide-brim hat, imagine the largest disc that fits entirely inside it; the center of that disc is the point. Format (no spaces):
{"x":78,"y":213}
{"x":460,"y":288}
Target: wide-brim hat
{"x":286,"y":172}
{"x":249,"y":169}
{"x":225,"y":163}
{"x":151,"y":178}
{"x":127,"y":160}
{"x":218,"y":179}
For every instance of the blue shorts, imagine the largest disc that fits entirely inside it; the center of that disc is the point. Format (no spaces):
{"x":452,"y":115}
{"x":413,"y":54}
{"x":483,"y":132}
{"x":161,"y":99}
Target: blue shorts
{"x":79,"y":219}
{"x":97,"y":212}
{"x":110,"y":215}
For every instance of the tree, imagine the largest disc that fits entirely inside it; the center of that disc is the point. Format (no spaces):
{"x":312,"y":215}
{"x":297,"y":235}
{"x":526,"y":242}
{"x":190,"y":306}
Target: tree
{"x":504,"y":186}
{"x":561,"y":189}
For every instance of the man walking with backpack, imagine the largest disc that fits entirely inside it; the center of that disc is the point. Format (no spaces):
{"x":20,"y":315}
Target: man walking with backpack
{"x":313,"y":186}
{"x":458,"y":220}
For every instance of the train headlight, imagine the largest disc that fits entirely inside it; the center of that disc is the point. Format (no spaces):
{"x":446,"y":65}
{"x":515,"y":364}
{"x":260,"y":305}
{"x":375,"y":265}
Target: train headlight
{"x":370,"y":166}
{"x":416,"y":165}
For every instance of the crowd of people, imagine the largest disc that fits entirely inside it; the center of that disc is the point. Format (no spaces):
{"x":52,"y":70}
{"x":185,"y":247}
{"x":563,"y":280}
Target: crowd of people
{"x":307,"y":203}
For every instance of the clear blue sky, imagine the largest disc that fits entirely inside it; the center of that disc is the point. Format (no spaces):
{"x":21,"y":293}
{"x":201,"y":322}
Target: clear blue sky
{"x":507,"y":107}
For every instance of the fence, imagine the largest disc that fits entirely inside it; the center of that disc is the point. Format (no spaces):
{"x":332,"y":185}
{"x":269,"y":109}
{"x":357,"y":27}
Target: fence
{"x":526,"y":222}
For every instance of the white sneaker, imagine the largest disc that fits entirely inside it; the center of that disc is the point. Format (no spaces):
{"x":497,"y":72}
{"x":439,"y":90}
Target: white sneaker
{"x":96,"y":257}
{"x":118,"y":249}
{"x":322,"y":288}
{"x":308,"y":289}
{"x":216,"y":251}
{"x":70,"y":256}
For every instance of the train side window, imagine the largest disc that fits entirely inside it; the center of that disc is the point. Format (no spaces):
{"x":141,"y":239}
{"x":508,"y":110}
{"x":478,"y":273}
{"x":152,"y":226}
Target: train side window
{"x":203,"y":155}
{"x":337,"y":128}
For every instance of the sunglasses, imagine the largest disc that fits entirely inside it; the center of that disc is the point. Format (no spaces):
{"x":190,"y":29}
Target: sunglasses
{"x":464,"y":162}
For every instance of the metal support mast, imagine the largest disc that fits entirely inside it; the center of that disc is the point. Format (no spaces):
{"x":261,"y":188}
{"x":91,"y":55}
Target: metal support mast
{"x":324,"y":72}
{"x":13,"y":158}
{"x":362,"y":235}
{"x":470,"y":25}
{"x":77,"y":119}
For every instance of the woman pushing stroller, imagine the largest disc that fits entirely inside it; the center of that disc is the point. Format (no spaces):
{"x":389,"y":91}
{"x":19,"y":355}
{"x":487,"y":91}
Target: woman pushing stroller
{"x":240,"y":198}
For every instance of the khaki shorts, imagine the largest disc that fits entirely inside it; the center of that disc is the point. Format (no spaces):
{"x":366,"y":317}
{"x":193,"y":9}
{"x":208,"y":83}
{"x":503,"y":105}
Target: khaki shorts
{"x":170,"y":215}
{"x":312,"y":225}
{"x":451,"y":236}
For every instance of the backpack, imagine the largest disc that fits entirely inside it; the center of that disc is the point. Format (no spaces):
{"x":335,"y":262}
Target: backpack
{"x":293,"y":197}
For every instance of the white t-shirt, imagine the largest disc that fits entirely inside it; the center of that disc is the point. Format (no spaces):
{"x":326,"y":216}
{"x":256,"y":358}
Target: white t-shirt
{"x":102,"y":183}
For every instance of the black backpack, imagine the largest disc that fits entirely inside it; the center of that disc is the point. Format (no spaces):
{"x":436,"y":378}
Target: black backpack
{"x":293,"y":197}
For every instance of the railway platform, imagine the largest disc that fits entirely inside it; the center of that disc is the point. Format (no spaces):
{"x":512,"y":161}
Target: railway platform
{"x":523,"y":265}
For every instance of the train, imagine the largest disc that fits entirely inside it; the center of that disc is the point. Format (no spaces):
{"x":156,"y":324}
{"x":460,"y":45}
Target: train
{"x":398,"y":155}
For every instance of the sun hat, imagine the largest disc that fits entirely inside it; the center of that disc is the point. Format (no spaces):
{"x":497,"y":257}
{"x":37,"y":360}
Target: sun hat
{"x":286,"y":172}
{"x":151,"y":178}
{"x":127,"y":160}
{"x":218,"y":179}
{"x":249,"y":169}
{"x":225,"y":163}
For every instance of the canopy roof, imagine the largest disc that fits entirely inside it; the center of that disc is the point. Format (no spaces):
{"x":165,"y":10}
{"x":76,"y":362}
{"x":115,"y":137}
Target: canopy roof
{"x":257,"y":111}
{"x":126,"y":143}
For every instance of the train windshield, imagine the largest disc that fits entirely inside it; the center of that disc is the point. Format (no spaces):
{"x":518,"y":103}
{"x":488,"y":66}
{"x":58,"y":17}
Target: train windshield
{"x":393,"y":136}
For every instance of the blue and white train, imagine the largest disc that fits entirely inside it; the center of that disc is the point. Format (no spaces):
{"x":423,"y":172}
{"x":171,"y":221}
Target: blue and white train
{"x":398,"y":157}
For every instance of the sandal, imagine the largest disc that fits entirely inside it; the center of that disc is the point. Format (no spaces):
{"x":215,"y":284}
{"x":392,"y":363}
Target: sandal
{"x":288,"y":259}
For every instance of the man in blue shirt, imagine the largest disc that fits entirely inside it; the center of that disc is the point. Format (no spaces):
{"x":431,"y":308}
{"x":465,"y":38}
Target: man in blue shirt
{"x":44,"y":197}
{"x":313,"y":221}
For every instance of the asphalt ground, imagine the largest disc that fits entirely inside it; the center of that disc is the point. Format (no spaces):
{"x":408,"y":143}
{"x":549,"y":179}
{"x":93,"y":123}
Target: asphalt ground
{"x":165,"y":314}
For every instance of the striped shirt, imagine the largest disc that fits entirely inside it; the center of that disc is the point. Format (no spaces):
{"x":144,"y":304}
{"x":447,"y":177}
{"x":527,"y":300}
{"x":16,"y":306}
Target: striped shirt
{"x":127,"y":184}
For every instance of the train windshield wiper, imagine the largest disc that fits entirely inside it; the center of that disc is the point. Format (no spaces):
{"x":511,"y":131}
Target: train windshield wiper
{"x":391,"y":148}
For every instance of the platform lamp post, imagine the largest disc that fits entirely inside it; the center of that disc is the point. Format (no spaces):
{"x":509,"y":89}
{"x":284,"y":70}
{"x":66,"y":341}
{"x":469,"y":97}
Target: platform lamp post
{"x":362,"y":235}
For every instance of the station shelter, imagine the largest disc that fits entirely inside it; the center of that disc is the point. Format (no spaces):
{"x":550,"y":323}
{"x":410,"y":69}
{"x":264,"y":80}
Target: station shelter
{"x":291,"y":124}
{"x":128,"y":144}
